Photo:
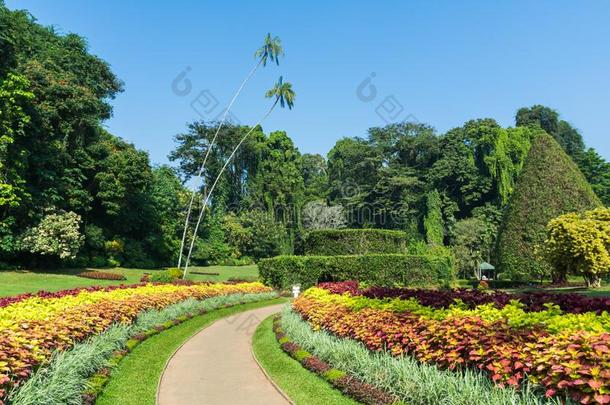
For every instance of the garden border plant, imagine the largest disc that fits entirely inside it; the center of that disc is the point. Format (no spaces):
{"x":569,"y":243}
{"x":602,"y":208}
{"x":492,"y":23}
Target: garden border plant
{"x":409,"y":380}
{"x":80,"y":374}
{"x":34,"y":329}
{"x":343,"y":381}
{"x":298,"y":384}
{"x":565,"y":355}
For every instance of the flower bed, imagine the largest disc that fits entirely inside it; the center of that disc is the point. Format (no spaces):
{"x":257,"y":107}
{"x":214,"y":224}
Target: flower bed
{"x":102,"y":275}
{"x":83,"y":370}
{"x":535,"y":301}
{"x":32,"y":328}
{"x":567,"y":354}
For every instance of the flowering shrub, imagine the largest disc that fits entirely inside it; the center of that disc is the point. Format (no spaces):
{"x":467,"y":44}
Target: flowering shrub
{"x":35,"y":326}
{"x":565,"y":359}
{"x":57,"y":234}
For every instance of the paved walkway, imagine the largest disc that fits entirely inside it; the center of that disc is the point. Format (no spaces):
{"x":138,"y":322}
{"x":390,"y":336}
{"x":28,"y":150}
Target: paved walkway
{"x":216,"y":366}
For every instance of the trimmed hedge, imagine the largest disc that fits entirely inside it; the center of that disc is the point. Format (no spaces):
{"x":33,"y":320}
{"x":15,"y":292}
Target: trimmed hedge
{"x":333,"y":242}
{"x":374,"y":269}
{"x":549,"y":185}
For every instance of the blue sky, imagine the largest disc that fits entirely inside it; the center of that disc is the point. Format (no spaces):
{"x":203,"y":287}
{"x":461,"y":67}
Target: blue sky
{"x":442,"y":62}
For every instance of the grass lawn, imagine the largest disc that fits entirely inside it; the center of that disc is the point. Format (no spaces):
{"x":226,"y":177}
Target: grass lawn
{"x":14,"y":282}
{"x":603,"y":291}
{"x":137,"y":376}
{"x":300,"y":384}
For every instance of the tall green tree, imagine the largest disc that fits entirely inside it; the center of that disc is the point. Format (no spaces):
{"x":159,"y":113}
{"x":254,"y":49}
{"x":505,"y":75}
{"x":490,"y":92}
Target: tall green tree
{"x":597,"y":171}
{"x":56,"y":157}
{"x":433,"y":222}
{"x":548,"y":119}
{"x":278,"y":187}
{"x":550,"y":185}
{"x":14,"y":97}
{"x":315,"y":176}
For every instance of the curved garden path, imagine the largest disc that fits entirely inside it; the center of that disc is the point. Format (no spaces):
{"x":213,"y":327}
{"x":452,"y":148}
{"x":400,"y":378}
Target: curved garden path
{"x":216,"y":366}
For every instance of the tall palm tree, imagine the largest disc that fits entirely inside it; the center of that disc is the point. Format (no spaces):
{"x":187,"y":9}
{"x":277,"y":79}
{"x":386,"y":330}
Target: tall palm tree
{"x":284,"y":96}
{"x":270,"y":50}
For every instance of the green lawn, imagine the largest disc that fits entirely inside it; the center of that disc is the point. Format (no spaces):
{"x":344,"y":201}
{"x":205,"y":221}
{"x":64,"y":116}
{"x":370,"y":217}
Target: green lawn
{"x":136,"y":378}
{"x":22,"y":281}
{"x":603,"y":291}
{"x":300,"y":384}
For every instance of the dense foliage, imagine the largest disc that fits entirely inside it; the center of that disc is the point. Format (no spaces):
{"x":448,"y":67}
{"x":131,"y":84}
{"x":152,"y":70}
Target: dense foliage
{"x":550,"y":185}
{"x":56,"y":160}
{"x":378,"y":269}
{"x":593,"y":166}
{"x":565,"y":354}
{"x":63,"y":178}
{"x":580,"y":244}
{"x":332,"y":242}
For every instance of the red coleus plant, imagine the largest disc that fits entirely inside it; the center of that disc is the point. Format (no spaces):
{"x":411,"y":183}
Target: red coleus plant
{"x":533,"y":302}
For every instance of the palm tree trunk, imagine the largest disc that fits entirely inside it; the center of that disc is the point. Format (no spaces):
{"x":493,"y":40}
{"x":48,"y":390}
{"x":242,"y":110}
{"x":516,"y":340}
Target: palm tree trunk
{"x":209,"y":193}
{"x":207,"y":154}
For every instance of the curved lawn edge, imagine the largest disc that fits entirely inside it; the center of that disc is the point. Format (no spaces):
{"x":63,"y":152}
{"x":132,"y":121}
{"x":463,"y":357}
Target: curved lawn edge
{"x":136,"y":378}
{"x":302,"y":386}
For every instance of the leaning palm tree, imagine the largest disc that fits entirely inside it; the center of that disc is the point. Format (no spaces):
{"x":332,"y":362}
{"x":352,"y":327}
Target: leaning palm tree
{"x":271,"y":50}
{"x":284,"y":96}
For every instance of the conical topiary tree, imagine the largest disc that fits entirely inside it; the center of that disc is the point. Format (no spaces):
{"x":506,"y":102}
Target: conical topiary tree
{"x":549,"y":185}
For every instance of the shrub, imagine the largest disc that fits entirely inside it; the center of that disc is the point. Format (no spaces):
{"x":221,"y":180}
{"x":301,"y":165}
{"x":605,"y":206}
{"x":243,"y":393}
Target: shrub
{"x":57,"y":234}
{"x":549,"y":185}
{"x":102,"y":275}
{"x":377,"y":269}
{"x":166,"y":276}
{"x":232,"y":261}
{"x":242,"y":279}
{"x":333,"y":242}
{"x":580,"y":244}
{"x":318,"y":215}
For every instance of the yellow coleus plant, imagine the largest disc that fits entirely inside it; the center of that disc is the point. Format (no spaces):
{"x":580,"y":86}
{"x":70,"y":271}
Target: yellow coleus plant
{"x":552,"y":319}
{"x":32,"y":329}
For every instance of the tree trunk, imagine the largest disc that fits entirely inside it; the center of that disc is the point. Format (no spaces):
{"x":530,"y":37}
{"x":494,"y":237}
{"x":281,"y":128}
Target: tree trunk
{"x":593,"y":280}
{"x":560,"y":276}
